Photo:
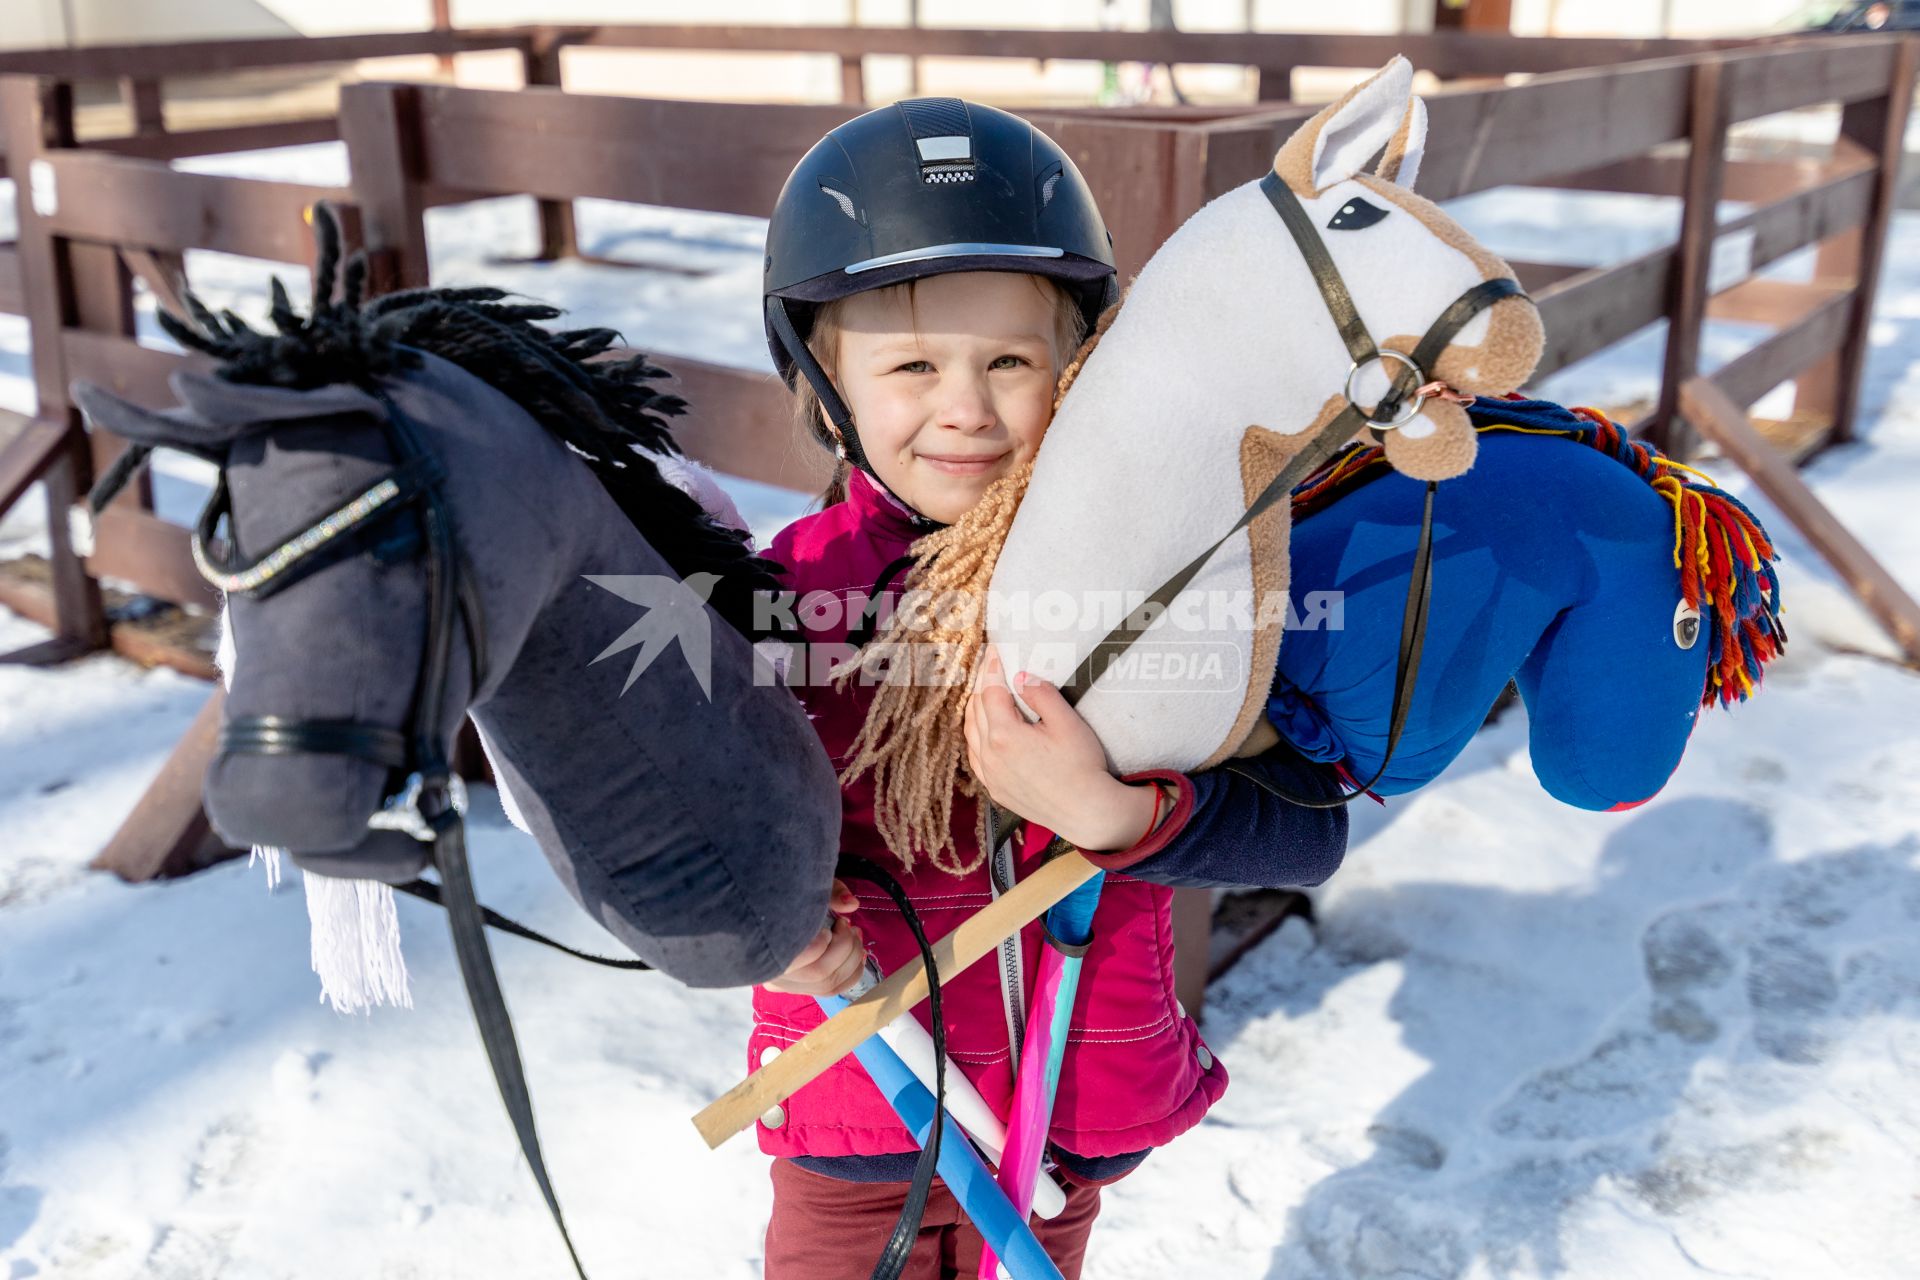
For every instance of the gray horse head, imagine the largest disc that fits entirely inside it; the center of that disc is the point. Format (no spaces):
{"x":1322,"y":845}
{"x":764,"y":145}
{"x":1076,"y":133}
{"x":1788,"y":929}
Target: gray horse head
{"x":686,"y":803}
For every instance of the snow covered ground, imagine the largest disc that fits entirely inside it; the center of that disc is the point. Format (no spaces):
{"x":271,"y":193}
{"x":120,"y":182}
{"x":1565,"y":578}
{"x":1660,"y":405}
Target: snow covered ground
{"x":1526,"y":1041}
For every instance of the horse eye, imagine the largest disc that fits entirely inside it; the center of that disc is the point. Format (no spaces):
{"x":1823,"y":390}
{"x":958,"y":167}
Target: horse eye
{"x":1686,"y":625}
{"x":1355,"y":215}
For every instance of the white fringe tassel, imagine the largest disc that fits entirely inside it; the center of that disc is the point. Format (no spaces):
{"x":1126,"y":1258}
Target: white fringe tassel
{"x":356,"y":940}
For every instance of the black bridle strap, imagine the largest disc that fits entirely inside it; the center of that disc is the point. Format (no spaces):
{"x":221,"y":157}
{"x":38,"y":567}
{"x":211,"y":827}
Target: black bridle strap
{"x":1346,"y":317}
{"x":464,"y":915}
{"x":906,"y":1229}
{"x":281,"y":736}
{"x":489,"y":1006}
{"x":1326,"y":276}
{"x":1343,"y":427}
{"x":428,"y":891}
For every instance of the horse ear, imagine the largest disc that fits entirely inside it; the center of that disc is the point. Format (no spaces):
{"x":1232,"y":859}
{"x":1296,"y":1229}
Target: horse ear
{"x":1401,"y":163}
{"x":1337,"y":143}
{"x":172,"y":429}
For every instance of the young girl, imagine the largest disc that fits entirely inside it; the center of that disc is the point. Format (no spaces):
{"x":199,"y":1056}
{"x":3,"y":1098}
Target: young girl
{"x":932,"y":267}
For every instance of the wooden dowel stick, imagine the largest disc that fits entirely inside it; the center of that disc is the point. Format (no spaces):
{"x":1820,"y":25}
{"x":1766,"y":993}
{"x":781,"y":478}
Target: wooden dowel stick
{"x":835,"y":1038}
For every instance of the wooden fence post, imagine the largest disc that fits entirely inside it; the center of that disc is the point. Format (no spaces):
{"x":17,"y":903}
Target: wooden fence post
{"x":559,"y":236}
{"x":380,"y":124}
{"x":37,"y":115}
{"x":1891,"y":605}
{"x":1831,"y":388}
{"x":1689,"y":286}
{"x":853,"y":80}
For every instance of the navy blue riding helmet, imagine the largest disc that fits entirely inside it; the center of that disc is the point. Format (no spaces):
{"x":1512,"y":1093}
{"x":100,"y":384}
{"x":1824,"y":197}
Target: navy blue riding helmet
{"x":917,"y":189}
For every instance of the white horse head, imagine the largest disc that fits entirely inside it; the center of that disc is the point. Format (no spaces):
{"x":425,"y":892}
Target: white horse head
{"x":1220,"y":365}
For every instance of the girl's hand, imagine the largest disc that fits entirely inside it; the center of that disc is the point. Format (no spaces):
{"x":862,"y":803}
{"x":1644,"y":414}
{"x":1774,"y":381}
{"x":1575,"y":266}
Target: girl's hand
{"x":1054,"y":770}
{"x":832,"y":962}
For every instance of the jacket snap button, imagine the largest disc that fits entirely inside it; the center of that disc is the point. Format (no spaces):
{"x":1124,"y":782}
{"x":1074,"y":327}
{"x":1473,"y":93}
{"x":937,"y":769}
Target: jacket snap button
{"x":1204,"y":1057}
{"x":769,"y":1053}
{"x":774,"y":1116}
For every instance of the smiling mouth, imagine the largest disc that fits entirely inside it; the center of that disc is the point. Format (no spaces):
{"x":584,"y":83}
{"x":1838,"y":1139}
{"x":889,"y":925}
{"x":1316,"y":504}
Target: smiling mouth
{"x":961,"y":465}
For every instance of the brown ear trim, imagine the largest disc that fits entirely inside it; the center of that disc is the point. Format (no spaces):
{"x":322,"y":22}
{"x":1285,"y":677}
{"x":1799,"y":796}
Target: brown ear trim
{"x":1294,"y":161}
{"x":1389,"y":167}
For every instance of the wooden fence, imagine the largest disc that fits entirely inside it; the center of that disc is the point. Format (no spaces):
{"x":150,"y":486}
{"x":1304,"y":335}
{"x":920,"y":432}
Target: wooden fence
{"x":94,"y":216}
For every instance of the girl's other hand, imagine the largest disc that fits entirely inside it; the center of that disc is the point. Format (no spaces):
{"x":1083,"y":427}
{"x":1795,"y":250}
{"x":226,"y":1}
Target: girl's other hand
{"x":1052,"y":771}
{"x":833,"y":961}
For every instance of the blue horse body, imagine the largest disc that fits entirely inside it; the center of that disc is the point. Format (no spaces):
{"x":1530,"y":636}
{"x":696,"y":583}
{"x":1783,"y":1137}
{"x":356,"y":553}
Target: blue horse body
{"x":1553,"y":566}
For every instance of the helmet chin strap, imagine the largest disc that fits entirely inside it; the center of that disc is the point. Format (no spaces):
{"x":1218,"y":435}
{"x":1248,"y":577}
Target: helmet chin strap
{"x":836,"y":408}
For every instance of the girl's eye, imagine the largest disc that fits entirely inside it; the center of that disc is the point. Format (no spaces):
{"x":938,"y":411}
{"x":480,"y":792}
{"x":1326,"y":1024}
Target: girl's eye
{"x":915,"y":366}
{"x":1007,"y":362}
{"x":1686,"y":625}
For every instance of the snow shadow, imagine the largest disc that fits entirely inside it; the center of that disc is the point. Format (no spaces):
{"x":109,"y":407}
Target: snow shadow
{"x":1563,"y":1029}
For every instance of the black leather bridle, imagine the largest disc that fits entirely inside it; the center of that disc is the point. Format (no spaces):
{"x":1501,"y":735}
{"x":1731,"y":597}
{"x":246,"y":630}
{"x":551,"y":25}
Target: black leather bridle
{"x":422,"y":821}
{"x":1402,"y":400}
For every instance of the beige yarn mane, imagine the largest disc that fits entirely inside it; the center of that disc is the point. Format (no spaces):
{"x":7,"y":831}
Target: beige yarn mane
{"x":914,"y":741}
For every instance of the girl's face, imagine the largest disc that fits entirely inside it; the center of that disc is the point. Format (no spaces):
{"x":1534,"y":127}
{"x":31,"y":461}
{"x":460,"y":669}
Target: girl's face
{"x":956,"y":392}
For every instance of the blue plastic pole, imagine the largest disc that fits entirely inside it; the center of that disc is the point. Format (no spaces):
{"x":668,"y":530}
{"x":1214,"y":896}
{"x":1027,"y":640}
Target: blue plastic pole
{"x":1005,"y":1231}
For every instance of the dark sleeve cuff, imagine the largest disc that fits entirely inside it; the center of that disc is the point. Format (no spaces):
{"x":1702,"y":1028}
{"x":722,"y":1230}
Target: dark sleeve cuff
{"x":1155,"y":840}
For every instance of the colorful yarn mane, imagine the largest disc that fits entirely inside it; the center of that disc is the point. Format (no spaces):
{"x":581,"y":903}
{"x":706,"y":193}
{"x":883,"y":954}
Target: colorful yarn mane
{"x":1722,"y":553}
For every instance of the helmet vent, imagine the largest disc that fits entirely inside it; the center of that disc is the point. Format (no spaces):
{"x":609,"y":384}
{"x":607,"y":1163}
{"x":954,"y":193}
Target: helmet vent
{"x":942,"y":138}
{"x":1048,"y":183}
{"x":842,"y":199}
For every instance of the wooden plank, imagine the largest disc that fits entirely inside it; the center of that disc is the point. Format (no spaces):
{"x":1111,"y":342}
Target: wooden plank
{"x":742,"y":423}
{"x":1805,"y":73}
{"x":1534,"y":276}
{"x":1881,"y":126}
{"x":123,"y":366}
{"x":206,"y":142}
{"x":547,"y":143}
{"x":134,"y":642}
{"x":381,"y":126}
{"x":1569,"y":121}
{"x":1446,"y":53}
{"x":1687,"y":303}
{"x":194,"y":57}
{"x":899,"y":992}
{"x":140,"y":548}
{"x":167,"y":834}
{"x":37,"y":115}
{"x":12,"y":299}
{"x":1720,"y":420}
{"x":118,"y":200}
{"x":1778,"y":304}
{"x":1591,"y":311}
{"x":1752,"y":374}
{"x":1820,"y":212}
{"x":559,"y":236}
{"x":1663,"y":173}
{"x":853,"y":80}
{"x":31,"y":445}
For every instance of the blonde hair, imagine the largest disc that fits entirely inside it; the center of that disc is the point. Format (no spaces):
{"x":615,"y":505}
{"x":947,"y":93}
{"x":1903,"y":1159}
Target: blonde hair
{"x":1069,"y":326}
{"x":914,"y":739}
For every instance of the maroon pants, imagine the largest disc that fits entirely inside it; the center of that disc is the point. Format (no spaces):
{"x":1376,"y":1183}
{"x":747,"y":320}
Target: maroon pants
{"x":826,"y":1229}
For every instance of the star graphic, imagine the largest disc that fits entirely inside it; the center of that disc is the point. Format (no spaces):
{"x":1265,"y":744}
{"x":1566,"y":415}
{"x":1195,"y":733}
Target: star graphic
{"x":676,"y":609}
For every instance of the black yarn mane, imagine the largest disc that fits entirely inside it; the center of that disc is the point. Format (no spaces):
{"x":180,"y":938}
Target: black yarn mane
{"x":604,"y":410}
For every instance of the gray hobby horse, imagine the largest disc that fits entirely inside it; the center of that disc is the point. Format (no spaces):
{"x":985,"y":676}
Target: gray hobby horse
{"x":415,"y":491}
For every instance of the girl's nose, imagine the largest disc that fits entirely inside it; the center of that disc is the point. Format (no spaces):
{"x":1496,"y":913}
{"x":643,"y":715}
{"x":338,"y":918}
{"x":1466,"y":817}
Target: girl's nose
{"x":964,"y":404}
